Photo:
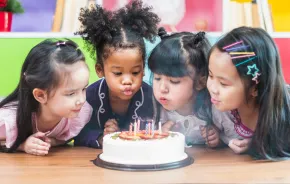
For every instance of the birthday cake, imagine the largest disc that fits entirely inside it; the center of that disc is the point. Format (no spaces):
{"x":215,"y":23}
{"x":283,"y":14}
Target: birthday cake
{"x":143,"y":147}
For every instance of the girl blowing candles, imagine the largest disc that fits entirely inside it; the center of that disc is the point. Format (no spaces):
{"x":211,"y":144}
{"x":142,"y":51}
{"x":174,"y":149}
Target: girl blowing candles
{"x":120,"y":96}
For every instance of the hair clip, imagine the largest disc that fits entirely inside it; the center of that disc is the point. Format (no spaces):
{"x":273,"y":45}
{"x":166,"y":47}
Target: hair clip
{"x":252,"y":70}
{"x":60,"y":43}
{"x":256,"y":78}
{"x":233,"y":44}
{"x":237,"y":48}
{"x":243,"y":62}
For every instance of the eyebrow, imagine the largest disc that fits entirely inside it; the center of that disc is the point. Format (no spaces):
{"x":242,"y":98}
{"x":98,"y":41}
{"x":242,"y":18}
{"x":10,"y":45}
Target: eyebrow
{"x":220,"y":77}
{"x":70,"y":90}
{"x":118,"y":67}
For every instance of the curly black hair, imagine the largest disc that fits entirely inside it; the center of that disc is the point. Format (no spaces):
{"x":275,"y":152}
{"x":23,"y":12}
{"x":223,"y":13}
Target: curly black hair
{"x":125,"y":28}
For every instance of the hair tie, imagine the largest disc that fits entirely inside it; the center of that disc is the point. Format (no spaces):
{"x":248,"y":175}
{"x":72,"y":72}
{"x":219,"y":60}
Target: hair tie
{"x":60,"y":43}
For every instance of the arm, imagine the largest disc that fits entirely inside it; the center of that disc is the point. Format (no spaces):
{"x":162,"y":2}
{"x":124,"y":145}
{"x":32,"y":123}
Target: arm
{"x":89,"y":137}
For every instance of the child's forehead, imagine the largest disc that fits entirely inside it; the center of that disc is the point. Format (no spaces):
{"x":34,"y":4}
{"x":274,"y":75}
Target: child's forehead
{"x":123,"y":56}
{"x":72,"y":76}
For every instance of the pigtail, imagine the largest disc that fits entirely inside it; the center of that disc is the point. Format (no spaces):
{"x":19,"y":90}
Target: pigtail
{"x":140,"y":19}
{"x":98,"y":27}
{"x":162,"y":33}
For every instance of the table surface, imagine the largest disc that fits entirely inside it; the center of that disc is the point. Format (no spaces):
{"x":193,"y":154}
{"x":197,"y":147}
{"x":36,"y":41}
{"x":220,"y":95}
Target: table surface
{"x":73,"y":165}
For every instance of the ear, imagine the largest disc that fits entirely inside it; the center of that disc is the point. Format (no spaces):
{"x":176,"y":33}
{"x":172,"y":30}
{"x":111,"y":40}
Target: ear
{"x":40,"y":95}
{"x":201,"y":83}
{"x":99,"y":70}
{"x":143,"y":72}
{"x":254,"y":91}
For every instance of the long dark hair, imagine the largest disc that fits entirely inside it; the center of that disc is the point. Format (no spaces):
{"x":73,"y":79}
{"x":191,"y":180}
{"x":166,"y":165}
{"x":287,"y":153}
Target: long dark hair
{"x":271,"y":139}
{"x":173,"y":55}
{"x":103,"y":30}
{"x":41,"y":69}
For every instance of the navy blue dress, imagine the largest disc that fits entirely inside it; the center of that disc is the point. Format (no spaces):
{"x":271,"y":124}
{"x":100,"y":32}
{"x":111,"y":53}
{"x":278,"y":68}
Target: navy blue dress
{"x":140,"y":107}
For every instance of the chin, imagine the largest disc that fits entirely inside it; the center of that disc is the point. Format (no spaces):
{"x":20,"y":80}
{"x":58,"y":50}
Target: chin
{"x":222,"y":108}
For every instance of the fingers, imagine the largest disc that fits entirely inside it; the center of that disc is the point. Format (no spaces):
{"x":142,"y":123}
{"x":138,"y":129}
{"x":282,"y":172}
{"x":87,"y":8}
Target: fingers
{"x":111,"y":122}
{"x":47,"y":140}
{"x":111,"y":126}
{"x":167,"y":126}
{"x":39,"y":142}
{"x":38,"y":152}
{"x":239,"y":146}
{"x":210,"y":134}
{"x":39,"y":135}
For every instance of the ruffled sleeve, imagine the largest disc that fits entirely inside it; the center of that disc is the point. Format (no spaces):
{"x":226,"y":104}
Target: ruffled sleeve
{"x":70,"y":127}
{"x":8,"y":127}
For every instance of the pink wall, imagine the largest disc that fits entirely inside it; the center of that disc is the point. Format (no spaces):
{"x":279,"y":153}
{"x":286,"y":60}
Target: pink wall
{"x":209,"y":10}
{"x":284,"y":50}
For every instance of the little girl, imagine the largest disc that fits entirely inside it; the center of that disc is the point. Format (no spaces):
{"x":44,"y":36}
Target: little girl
{"x":48,"y":107}
{"x":179,"y":65}
{"x":245,"y":78}
{"x":120,"y":97}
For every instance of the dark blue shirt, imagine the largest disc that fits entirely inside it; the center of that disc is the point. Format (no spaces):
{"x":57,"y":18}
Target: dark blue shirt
{"x":140,"y":107}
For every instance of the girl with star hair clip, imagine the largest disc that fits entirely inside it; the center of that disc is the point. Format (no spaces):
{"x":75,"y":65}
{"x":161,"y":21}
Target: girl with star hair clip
{"x":246,"y":81}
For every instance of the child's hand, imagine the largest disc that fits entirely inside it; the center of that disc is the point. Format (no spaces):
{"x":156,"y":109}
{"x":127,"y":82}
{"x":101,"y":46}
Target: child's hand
{"x":211,"y":136}
{"x":166,"y":127}
{"x":36,"y":144}
{"x":54,"y":141}
{"x":111,"y":126}
{"x":239,"y":146}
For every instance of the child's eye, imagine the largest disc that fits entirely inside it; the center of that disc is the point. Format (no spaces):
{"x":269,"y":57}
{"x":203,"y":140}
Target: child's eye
{"x":223,"y":84}
{"x":136,"y":73}
{"x":117,"y":73}
{"x":174,"y":82}
{"x":157,"y":78}
{"x":70,"y":94}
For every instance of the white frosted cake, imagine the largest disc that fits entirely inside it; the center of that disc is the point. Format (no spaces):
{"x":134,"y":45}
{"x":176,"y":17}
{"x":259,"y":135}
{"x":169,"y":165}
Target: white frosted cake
{"x":142,"y":149}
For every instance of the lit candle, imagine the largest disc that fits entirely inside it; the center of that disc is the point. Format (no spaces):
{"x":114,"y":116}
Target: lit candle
{"x":159,"y":128}
{"x":135,"y":128}
{"x":153,"y":127}
{"x":130,"y":129}
{"x":149,"y":128}
{"x":146,"y":129}
{"x":138,"y":125}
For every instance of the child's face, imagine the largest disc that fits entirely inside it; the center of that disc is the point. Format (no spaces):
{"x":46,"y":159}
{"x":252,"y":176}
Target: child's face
{"x":68,"y":98}
{"x":173,"y":93}
{"x":226,"y":88}
{"x":123,"y":70}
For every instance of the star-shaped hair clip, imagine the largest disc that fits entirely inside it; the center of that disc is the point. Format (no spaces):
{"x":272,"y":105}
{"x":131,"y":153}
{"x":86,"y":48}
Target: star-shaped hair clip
{"x":254,"y":71}
{"x":256,"y":78}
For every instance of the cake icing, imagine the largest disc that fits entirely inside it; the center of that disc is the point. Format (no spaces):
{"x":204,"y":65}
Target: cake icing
{"x":142,"y":151}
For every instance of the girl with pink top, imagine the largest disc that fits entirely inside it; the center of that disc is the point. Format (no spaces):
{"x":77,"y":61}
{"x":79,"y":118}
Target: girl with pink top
{"x":48,"y":106}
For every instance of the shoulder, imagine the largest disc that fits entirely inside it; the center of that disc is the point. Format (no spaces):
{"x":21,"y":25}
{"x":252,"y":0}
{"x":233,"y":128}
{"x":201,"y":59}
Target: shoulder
{"x":8,"y":111}
{"x":8,"y":121}
{"x":93,"y":91}
{"x":146,"y":87}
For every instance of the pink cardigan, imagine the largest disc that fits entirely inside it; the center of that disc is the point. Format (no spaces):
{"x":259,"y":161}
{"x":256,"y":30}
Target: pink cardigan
{"x":64,"y":130}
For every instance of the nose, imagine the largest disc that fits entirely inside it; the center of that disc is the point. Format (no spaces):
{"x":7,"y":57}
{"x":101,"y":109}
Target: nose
{"x":127,"y":80}
{"x":163,"y":87}
{"x":212,"y":87}
{"x":81,"y":100}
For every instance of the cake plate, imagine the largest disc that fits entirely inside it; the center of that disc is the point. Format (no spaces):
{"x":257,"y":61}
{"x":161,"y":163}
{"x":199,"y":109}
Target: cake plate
{"x":155,"y":167}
